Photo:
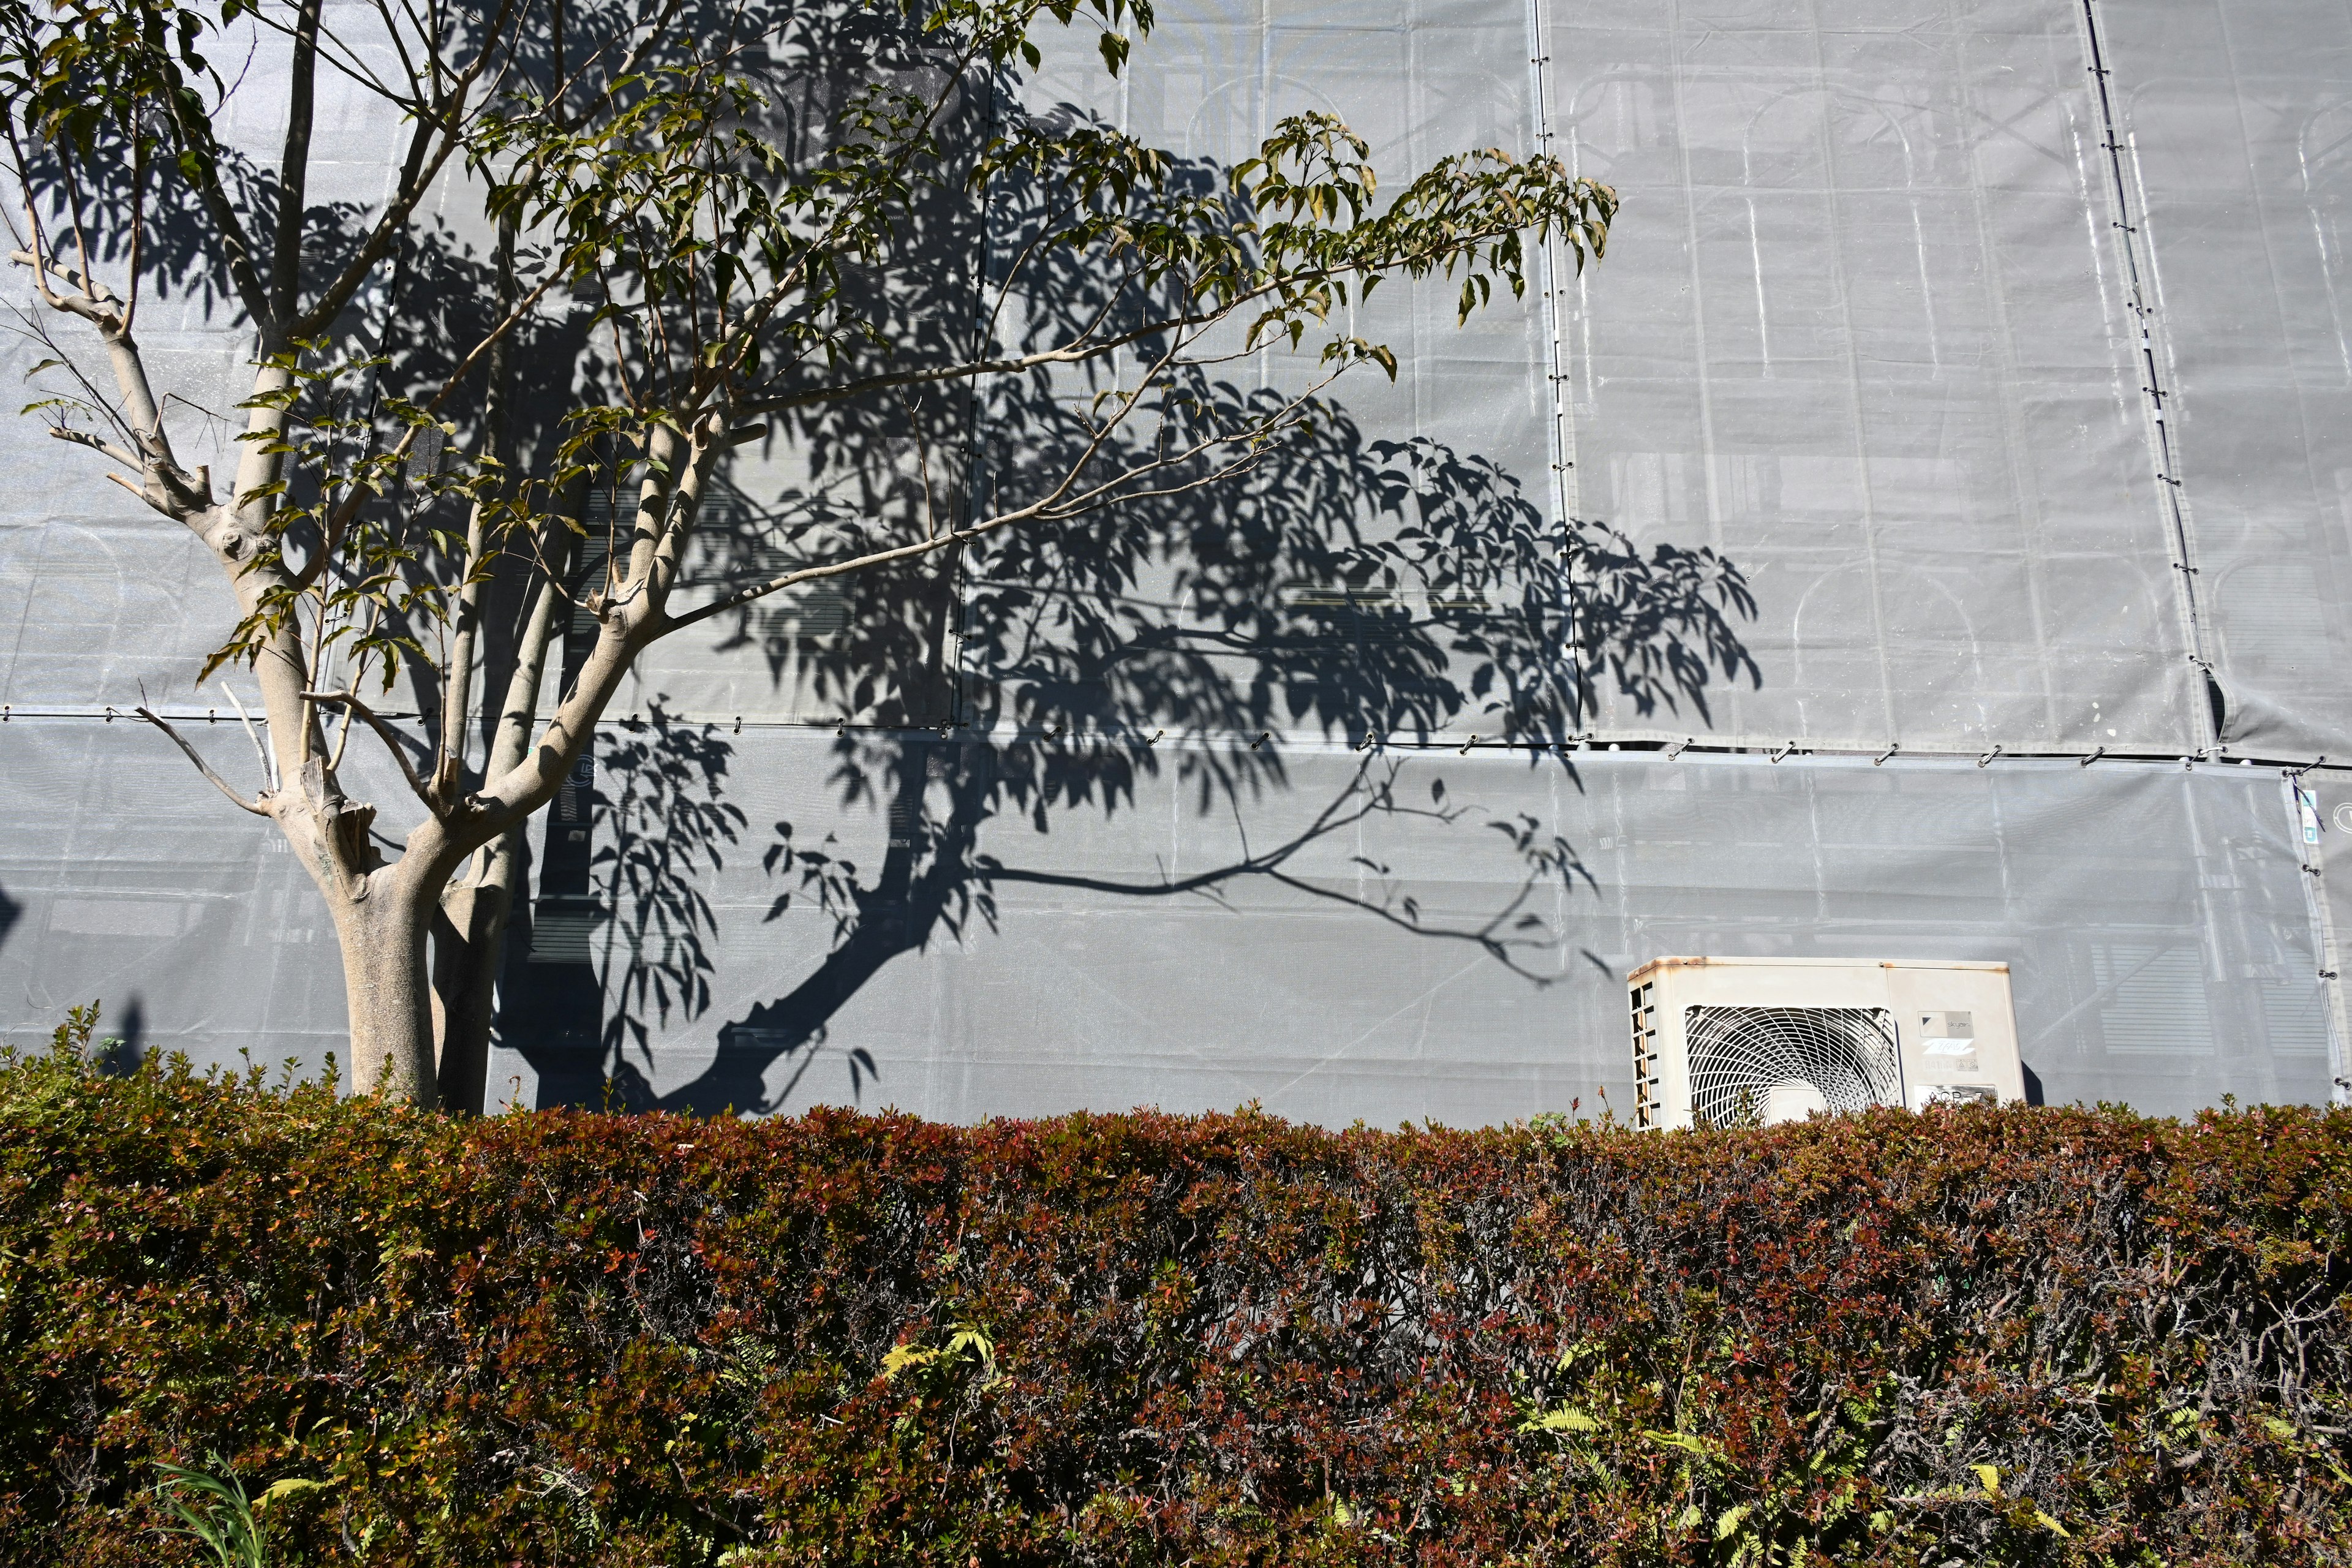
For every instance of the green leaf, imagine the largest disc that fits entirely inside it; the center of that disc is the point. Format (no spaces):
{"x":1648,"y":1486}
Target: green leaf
{"x":1730,"y":1520}
{"x":277,"y":1491}
{"x":1689,"y":1443}
{"x":1989,"y":1476}
{"x":1564,"y":1419}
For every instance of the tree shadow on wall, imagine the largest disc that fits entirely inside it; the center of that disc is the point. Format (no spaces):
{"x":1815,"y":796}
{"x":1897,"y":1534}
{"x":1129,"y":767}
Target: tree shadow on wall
{"x":1349,"y":588}
{"x":667,"y":831}
{"x":1381,"y":594}
{"x":1386,"y":594}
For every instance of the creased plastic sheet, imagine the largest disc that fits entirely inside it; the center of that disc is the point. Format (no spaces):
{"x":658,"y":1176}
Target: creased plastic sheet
{"x":2239,"y":121}
{"x":1157,"y":937}
{"x":1153,"y":936}
{"x":1417,"y":80}
{"x":126,"y":879}
{"x":1862,"y":333}
{"x":1862,"y":328}
{"x":1466,"y":429}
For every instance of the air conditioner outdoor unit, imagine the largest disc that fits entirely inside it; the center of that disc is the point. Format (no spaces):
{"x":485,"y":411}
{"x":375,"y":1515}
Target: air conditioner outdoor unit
{"x":1751,"y":1041}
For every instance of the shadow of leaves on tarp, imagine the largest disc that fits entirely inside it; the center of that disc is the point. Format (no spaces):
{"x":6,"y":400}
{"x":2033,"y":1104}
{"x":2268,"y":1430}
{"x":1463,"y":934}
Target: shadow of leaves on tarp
{"x":1341,"y":586}
{"x":1379,"y":592}
{"x":665,"y":829}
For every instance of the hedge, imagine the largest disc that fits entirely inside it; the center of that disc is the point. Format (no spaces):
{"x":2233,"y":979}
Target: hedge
{"x":1971,"y":1336}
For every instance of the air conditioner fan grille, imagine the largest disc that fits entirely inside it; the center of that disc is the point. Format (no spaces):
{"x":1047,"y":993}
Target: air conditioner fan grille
{"x":1739,"y":1054}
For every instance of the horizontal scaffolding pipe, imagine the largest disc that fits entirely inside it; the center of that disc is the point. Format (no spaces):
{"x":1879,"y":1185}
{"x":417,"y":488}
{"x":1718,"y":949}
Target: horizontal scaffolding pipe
{"x":1670,"y":749}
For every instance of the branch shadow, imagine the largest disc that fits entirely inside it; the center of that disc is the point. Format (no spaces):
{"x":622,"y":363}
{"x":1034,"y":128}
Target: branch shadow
{"x":1272,"y":620}
{"x":1351,"y":585}
{"x":1346,"y":586}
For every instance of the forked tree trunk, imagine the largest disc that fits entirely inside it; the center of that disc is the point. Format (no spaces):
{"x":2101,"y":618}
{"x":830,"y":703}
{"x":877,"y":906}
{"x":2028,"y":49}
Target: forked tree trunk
{"x":469,"y":934}
{"x":385,"y":915}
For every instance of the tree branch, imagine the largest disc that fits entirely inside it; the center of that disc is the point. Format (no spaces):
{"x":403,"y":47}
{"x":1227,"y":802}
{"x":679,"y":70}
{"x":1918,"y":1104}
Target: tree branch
{"x":96,"y":444}
{"x":204,"y":174}
{"x":414,"y":177}
{"x":1086,"y":502}
{"x":143,"y":420}
{"x":202,"y":767}
{"x":337,"y":523}
{"x":418,"y":173}
{"x":1080,"y":351}
{"x":90,"y":303}
{"x":384,"y":732}
{"x":294,"y":165}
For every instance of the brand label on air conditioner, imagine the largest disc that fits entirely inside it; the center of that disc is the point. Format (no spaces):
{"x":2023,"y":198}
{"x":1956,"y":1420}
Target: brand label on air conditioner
{"x":1948,"y":1034}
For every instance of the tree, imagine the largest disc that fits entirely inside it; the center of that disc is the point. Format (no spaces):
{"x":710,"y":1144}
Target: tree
{"x":699,"y":228}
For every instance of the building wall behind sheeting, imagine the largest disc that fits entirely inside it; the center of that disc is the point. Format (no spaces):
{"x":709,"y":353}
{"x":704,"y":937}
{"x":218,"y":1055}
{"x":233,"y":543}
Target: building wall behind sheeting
{"x":2155,"y":920}
{"x":1866,"y":330}
{"x":2011,"y":390}
{"x":2239,"y":130}
{"x":1309,"y":945}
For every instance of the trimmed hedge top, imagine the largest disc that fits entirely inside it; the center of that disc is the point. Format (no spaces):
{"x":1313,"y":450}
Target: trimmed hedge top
{"x":1969,"y":1336}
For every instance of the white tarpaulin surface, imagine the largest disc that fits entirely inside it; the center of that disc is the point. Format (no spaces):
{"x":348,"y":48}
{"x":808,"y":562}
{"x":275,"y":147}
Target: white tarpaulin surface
{"x":1869,"y":342}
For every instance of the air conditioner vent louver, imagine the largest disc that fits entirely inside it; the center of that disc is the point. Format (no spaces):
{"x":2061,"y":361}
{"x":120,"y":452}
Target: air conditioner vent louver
{"x":1743,"y":1041}
{"x":1762,"y":1064}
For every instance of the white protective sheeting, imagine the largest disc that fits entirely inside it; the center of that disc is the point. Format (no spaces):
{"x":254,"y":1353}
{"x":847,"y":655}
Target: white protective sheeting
{"x":1870,"y":333}
{"x":2237,"y":127}
{"x":1864,"y":329}
{"x":1186,"y":948}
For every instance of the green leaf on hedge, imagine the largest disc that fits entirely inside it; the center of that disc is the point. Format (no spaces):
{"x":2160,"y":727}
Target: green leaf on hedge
{"x":1565,"y":1419}
{"x":293,"y":1486}
{"x":1689,"y":1443}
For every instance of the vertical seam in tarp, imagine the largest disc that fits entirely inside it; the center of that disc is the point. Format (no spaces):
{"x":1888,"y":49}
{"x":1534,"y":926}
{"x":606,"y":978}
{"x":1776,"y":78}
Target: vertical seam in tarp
{"x":2323,"y":929}
{"x":2152,"y":391}
{"x":1565,"y":492}
{"x":1834,"y":203}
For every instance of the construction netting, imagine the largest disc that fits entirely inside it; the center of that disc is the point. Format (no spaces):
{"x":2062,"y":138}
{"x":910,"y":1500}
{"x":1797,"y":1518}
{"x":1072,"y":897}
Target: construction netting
{"x":1944,"y":462}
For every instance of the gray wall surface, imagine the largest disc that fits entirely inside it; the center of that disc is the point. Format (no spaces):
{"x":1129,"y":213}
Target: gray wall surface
{"x":1996,"y":347}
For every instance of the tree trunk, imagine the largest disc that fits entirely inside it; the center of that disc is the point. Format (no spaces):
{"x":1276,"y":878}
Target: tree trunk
{"x":384,"y":932}
{"x":468,"y":944}
{"x":469,"y":937}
